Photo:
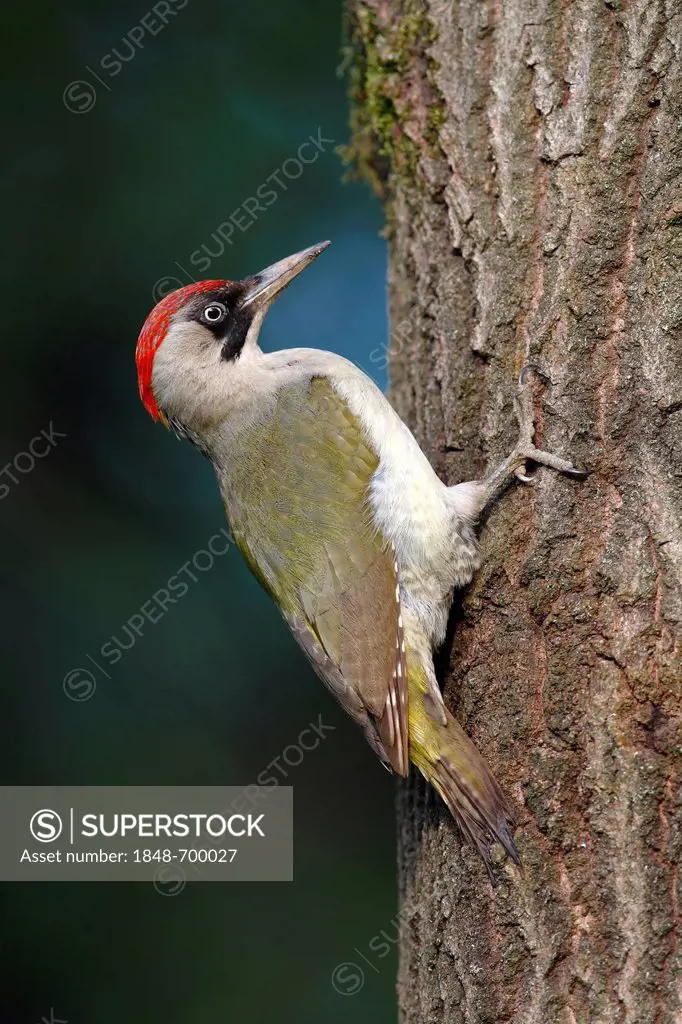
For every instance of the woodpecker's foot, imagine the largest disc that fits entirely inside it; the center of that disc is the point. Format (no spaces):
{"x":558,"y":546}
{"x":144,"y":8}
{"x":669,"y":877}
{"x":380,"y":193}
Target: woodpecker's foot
{"x":525,"y":451}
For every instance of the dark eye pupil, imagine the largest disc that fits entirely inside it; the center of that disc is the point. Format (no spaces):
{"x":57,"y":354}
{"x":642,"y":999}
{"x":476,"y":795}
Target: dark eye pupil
{"x":213,"y":313}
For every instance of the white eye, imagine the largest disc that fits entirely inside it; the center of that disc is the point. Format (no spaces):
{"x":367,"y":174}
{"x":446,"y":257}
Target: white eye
{"x":214,"y":313}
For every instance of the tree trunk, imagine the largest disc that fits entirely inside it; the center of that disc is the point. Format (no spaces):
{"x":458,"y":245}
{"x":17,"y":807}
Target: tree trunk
{"x":529,"y":153}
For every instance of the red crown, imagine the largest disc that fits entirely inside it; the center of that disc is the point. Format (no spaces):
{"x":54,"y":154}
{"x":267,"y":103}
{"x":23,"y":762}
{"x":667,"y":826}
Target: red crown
{"x":154,"y":331}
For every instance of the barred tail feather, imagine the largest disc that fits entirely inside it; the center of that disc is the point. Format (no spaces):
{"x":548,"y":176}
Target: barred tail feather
{"x":449,"y":760}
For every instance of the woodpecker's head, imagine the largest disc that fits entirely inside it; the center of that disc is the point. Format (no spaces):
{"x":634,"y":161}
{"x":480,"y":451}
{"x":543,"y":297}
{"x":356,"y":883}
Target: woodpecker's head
{"x":194,"y":337}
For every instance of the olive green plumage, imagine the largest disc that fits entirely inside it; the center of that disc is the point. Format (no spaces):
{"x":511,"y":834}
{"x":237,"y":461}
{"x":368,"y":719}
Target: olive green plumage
{"x":300,"y":511}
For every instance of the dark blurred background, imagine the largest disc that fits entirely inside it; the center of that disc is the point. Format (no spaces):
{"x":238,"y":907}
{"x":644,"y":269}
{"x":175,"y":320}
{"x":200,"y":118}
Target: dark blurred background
{"x":109,"y":186}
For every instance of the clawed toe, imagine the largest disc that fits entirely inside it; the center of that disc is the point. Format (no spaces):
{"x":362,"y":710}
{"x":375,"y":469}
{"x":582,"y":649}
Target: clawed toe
{"x":525,"y":452}
{"x":532,"y":368}
{"x":534,"y":454}
{"x":580,"y":473}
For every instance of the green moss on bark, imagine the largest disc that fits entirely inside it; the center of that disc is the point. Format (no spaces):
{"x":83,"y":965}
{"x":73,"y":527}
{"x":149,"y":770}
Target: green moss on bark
{"x":382,"y":61}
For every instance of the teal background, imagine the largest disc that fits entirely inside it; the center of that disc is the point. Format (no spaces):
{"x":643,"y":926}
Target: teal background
{"x":97,"y":207}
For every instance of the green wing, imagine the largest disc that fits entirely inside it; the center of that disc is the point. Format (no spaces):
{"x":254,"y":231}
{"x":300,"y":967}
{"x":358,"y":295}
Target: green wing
{"x":299,"y":510}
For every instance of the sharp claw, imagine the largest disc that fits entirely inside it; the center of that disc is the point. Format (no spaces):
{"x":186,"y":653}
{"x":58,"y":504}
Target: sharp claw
{"x":525,"y":451}
{"x":525,"y":370}
{"x":533,"y":368}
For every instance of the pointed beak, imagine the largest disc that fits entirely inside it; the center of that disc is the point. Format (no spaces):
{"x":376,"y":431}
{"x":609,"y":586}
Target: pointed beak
{"x":262,"y":288}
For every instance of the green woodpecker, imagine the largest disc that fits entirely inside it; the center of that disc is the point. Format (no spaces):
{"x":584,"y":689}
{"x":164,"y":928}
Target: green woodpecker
{"x":339,"y":516}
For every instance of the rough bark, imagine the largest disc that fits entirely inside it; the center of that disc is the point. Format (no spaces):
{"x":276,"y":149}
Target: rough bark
{"x":530,"y":156}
